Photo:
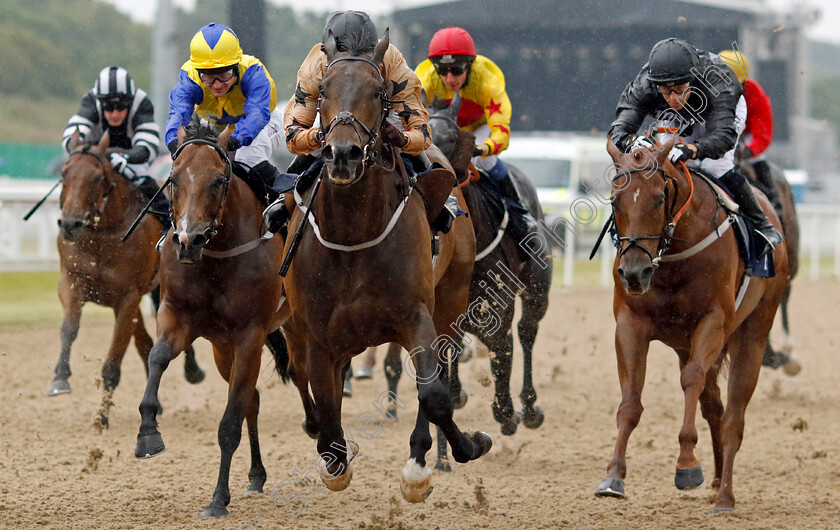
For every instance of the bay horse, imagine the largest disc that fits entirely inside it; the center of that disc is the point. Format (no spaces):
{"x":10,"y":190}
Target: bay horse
{"x":669,"y":288}
{"x":786,"y":210}
{"x":97,"y":206}
{"x":218,"y":281}
{"x":364,"y":273}
{"x":498,"y":258}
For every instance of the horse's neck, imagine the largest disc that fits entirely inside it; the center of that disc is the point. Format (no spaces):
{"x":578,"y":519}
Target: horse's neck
{"x":357,"y":212}
{"x":482,"y":222}
{"x":700,"y":218}
{"x":120,"y":203}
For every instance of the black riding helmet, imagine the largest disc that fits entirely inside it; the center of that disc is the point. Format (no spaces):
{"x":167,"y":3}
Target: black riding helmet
{"x":671,"y":62}
{"x":345,"y":23}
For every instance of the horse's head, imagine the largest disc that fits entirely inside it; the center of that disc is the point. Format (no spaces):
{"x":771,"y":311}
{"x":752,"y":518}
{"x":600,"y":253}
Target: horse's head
{"x":353,"y":104}
{"x":87,"y":181}
{"x":644,"y":201}
{"x":443,"y":120}
{"x":200,"y":179}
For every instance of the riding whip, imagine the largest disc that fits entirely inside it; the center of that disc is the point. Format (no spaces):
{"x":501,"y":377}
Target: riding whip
{"x":145,"y":209}
{"x":287,"y":261}
{"x":39,"y":203}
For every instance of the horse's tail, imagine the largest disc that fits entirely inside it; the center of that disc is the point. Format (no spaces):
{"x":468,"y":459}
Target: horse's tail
{"x":276,"y":343}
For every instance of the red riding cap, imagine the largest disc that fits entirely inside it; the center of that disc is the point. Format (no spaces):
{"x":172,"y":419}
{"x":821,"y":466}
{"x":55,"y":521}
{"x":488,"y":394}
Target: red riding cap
{"x":451,"y":41}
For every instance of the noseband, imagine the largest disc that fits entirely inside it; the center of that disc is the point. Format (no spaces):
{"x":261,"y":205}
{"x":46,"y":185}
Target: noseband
{"x":211,"y":230}
{"x":671,"y":217}
{"x":92,"y":218}
{"x":346,"y":117}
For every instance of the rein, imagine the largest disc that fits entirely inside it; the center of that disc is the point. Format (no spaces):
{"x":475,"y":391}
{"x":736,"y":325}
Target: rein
{"x":211,"y":230}
{"x":672,"y":217}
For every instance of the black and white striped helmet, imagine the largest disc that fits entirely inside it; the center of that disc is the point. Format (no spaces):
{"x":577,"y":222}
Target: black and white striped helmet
{"x":114,"y":82}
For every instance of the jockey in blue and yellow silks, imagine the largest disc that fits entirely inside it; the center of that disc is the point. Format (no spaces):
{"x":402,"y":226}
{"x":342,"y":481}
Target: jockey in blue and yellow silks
{"x":223,"y":86}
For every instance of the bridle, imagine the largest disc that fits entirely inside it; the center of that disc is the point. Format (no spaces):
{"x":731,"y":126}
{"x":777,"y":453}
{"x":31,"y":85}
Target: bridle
{"x":671,"y":216}
{"x":211,"y":230}
{"x":346,"y":117}
{"x":93,"y":217}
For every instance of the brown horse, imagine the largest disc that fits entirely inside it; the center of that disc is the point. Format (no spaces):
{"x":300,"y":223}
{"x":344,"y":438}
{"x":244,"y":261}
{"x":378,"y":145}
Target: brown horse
{"x":218,"y":281}
{"x":364,"y":274}
{"x":786,"y":210}
{"x":688,"y":302}
{"x":97,"y":206}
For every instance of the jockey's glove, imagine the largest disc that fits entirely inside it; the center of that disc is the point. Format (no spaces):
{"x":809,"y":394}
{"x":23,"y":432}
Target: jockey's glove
{"x":393,"y":136}
{"x":641,"y":142}
{"x":172,"y":146}
{"x":120,"y":163}
{"x":680,"y":153}
{"x":480,"y":150}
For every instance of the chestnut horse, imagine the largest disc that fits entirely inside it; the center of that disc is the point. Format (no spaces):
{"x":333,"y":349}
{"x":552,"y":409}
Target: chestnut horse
{"x":364,"y":273}
{"x":218,"y":281}
{"x":688,"y":302}
{"x":786,"y":210}
{"x":97,"y":206}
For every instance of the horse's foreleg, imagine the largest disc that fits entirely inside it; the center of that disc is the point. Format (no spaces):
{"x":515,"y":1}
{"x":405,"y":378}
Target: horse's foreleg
{"x":393,"y":371}
{"x":706,"y":345}
{"x":501,"y":365}
{"x":745,"y":365}
{"x":72,"y":304}
{"x":534,"y":306}
{"x":243,"y":400}
{"x":326,"y":382}
{"x":712,"y":408}
{"x":171,"y":340}
{"x":127,"y":321}
{"x":632,"y":340}
{"x":299,"y":375}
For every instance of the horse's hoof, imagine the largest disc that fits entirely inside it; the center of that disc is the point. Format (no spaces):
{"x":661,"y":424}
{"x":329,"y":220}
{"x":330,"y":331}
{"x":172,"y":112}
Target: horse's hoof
{"x":416,"y":482}
{"x":443,"y":466}
{"x":149,"y":445}
{"x":103,"y":420}
{"x":194,"y":377}
{"x":214,"y":511}
{"x":253,"y":490}
{"x":532,"y":417}
{"x":481,"y":440}
{"x":58,"y":387}
{"x":467,"y":352}
{"x":611,"y":487}
{"x":509,"y":426}
{"x":391,"y":414}
{"x":689,"y":478}
{"x":718,"y":511}
{"x":792,"y":367}
{"x":347,"y":390}
{"x":340,"y":482}
{"x":310,"y":430}
{"x":460,"y":400}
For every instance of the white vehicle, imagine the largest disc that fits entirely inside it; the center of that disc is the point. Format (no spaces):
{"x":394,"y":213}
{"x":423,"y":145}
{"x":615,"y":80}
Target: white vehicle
{"x":562,"y":166}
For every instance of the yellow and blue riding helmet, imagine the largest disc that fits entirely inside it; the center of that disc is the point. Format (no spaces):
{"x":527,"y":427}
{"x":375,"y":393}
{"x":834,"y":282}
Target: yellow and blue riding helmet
{"x":215,"y":48}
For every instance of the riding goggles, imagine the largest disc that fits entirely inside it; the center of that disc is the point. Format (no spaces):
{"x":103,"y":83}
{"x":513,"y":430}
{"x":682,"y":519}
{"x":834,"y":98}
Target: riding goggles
{"x":114,"y":104}
{"x":677,"y":89}
{"x":445,"y":69}
{"x":212,"y":79}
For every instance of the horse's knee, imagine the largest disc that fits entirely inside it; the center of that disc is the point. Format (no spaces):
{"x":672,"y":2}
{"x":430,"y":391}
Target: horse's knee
{"x":230,"y":431}
{"x":630,"y":411}
{"x":434,"y":401}
{"x":160,"y":356}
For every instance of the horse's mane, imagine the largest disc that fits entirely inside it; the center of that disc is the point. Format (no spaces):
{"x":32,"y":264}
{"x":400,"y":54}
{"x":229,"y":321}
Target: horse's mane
{"x":199,"y":129}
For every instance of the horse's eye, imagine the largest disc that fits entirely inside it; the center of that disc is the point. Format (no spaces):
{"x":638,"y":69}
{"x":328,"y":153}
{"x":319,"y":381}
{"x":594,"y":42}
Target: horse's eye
{"x":660,"y":200}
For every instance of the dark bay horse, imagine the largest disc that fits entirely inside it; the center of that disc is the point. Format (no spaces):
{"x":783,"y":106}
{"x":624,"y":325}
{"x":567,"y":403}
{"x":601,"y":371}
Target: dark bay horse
{"x":786,"y":210}
{"x":688,"y":302}
{"x":498,"y":259}
{"x":364,"y":274}
{"x":97,"y":206}
{"x":218,"y":281}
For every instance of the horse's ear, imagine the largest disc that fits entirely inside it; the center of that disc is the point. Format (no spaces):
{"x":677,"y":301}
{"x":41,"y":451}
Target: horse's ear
{"x":104,"y":142}
{"x":74,"y":140}
{"x":662,"y":155}
{"x":382,"y":47}
{"x":182,"y":133}
{"x":613,"y":150}
{"x":455,"y":105}
{"x":222,"y":140}
{"x":330,"y":47}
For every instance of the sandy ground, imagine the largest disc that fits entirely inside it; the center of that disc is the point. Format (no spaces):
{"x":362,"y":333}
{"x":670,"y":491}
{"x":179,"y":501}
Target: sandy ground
{"x":58,"y":471}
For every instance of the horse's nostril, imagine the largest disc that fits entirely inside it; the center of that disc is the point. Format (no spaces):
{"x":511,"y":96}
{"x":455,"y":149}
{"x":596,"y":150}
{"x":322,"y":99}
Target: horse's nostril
{"x":327,"y":154}
{"x":355,"y":154}
{"x":199,"y":240}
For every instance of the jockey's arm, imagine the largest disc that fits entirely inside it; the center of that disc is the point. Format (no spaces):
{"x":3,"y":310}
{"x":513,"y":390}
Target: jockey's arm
{"x":145,"y":142}
{"x":300,"y":112}
{"x":182,"y":101}
{"x":497,"y":112}
{"x":82,"y":121}
{"x":406,"y":86}
{"x":721,"y":129}
{"x":256,"y":88}
{"x":635,"y":103}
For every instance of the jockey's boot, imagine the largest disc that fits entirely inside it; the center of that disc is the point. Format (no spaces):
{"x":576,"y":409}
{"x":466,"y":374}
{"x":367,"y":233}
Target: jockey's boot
{"x":266,"y":173}
{"x":276,"y":215}
{"x":160,"y":208}
{"x":522,"y":223}
{"x":743,"y":195}
{"x":764,"y":177}
{"x":300,"y":164}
